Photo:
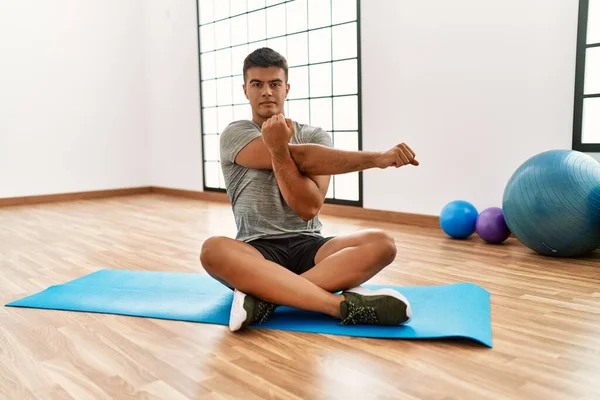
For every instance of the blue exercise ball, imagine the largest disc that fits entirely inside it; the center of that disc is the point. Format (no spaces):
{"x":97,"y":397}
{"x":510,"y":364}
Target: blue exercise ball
{"x":552,"y":203}
{"x":458,"y":219}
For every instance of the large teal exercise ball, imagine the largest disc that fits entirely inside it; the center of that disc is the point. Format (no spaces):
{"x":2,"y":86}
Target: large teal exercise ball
{"x":552,"y":203}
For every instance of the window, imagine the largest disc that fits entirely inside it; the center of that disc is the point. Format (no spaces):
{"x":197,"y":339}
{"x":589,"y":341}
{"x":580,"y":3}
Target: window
{"x":586,"y":126}
{"x":319,"y":38}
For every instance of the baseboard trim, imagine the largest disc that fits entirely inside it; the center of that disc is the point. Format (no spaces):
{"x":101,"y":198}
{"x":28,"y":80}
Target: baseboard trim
{"x":53,"y":198}
{"x":333,"y":210}
{"x":192,"y":194}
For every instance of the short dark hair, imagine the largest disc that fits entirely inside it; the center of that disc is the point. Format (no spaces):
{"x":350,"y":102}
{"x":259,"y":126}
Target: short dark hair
{"x":265,"y":57}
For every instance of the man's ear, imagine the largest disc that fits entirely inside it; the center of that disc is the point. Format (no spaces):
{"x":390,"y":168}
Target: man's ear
{"x":287,"y":89}
{"x":245,"y":93}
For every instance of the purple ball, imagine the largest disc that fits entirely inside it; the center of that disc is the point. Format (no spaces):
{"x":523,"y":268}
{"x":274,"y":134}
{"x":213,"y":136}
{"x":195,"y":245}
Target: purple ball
{"x":491,"y":226}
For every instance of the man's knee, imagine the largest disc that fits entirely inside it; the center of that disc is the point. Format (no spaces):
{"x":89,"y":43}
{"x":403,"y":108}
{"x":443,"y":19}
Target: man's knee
{"x":385,"y":244}
{"x":211,"y":253}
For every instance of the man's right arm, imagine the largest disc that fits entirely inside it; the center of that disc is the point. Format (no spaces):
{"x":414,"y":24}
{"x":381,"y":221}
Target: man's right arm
{"x":314,"y":159}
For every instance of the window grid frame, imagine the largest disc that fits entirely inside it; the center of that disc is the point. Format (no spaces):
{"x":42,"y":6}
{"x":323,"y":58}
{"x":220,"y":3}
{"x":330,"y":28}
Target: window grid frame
{"x":580,"y":95}
{"x":358,"y":94}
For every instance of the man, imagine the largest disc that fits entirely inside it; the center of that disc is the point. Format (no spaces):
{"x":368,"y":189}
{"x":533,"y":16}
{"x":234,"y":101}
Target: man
{"x":277,"y":174}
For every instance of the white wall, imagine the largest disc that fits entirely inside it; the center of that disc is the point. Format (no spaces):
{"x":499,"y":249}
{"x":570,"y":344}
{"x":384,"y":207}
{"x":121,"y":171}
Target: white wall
{"x":72,"y":113}
{"x":172,"y":90}
{"x":474,"y":87}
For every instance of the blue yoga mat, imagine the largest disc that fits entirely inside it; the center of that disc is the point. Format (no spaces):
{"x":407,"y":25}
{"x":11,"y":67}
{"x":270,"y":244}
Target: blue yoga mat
{"x":456,"y":310}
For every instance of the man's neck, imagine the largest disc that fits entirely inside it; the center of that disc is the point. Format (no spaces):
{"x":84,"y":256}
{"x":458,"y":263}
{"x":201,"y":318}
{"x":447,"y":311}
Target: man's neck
{"x":258,"y":120}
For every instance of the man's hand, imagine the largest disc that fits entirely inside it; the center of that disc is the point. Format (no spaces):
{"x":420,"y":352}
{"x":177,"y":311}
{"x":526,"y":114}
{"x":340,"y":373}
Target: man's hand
{"x":277,"y":132}
{"x":398,"y":156}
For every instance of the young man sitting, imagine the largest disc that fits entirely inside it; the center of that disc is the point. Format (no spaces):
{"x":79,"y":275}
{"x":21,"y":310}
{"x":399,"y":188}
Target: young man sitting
{"x":277,"y":173}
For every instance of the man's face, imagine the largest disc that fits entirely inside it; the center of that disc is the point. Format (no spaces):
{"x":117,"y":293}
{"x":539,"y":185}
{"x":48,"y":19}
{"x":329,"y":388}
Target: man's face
{"x":267,"y":89}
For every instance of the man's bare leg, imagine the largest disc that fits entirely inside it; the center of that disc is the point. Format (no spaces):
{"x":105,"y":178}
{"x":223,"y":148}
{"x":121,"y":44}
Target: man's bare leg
{"x":348,"y":261}
{"x":244,"y":268}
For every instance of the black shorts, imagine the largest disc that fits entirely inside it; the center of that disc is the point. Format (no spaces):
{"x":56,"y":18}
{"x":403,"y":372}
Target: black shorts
{"x":296,"y":253}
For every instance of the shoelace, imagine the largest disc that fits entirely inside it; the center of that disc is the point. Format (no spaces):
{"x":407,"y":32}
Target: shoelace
{"x":360,"y":315}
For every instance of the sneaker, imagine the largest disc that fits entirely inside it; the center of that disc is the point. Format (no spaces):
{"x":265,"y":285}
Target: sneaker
{"x":247,"y":310}
{"x":375,"y":307}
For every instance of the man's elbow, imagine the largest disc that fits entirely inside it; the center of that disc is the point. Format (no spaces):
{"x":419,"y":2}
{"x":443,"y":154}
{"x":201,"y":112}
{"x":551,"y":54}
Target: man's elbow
{"x":310,"y":211}
{"x":308,"y":215}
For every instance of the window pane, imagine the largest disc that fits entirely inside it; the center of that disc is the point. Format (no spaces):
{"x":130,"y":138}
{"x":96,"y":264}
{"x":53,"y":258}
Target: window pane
{"x":238,"y":7}
{"x":592,"y":70}
{"x":286,"y":108}
{"x":208,"y":65}
{"x":345,"y":141}
{"x":345,"y":77}
{"x":343,"y":11}
{"x":224,"y":92}
{"x":346,"y":186}
{"x":256,"y":45}
{"x":223,"y":34}
{"x":591,"y":120}
{"x":238,"y":90}
{"x":225,"y":116}
{"x":211,"y":172}
{"x":221,"y":9}
{"x":271,"y":2}
{"x":320,"y":45}
{"x":205,"y":11}
{"x":344,"y":41}
{"x":239,"y":30}
{"x":276,"y":21}
{"x":221,"y":178}
{"x":329,"y":194}
{"x":279,"y":45}
{"x":207,"y":38}
{"x":223,"y":62}
{"x":254,"y":4}
{"x":297,"y":49}
{"x":593,"y":33}
{"x":345,"y":113}
{"x":320,"y":113}
{"x":296,"y":16}
{"x":209,"y":120}
{"x":298,"y":79}
{"x":257,"y":26}
{"x":242,"y":112}
{"x":211,"y":147}
{"x":319,"y":13}
{"x":209,"y":93}
{"x":238,"y":54}
{"x":299,"y":111}
{"x":320,"y":80}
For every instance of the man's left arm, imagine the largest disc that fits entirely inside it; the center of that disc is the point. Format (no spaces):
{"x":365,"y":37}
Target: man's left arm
{"x":304,"y":194}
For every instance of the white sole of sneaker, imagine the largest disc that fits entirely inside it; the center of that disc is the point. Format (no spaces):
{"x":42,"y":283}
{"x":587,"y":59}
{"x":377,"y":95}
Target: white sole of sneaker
{"x":384,"y":292}
{"x":238,"y":313}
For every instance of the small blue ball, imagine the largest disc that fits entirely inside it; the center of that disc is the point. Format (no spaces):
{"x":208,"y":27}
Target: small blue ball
{"x":458,"y":219}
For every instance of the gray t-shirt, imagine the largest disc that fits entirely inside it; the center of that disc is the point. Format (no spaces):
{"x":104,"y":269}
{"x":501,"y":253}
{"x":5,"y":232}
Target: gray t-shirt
{"x":259,"y":208}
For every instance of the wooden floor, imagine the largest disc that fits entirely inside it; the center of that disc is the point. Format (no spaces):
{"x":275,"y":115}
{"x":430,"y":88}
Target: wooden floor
{"x":545,"y":316}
